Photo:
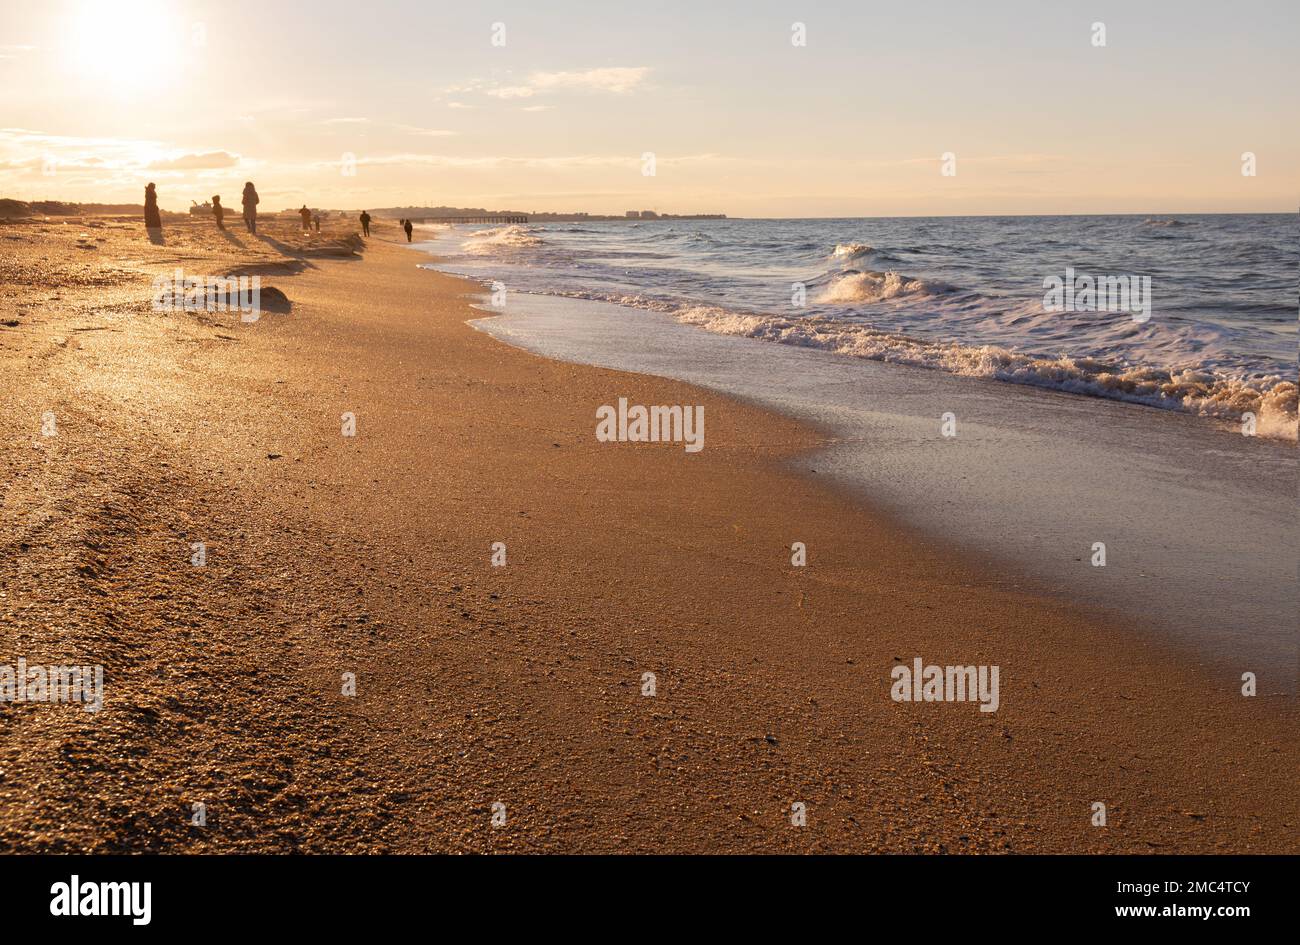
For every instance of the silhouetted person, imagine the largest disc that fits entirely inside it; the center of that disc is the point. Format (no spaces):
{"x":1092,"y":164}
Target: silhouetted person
{"x":250,"y":201}
{"x":406,"y":225}
{"x":218,"y":212}
{"x":306,"y":218}
{"x":315,"y":220}
{"x":152,"y":218}
{"x":365,"y":223}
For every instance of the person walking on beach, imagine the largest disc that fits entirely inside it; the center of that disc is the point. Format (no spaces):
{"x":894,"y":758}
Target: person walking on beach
{"x":306,"y":218}
{"x":152,"y":218}
{"x":250,"y":200}
{"x":316,"y":221}
{"x":407,"y":226}
{"x":218,"y":211}
{"x":365,"y":223}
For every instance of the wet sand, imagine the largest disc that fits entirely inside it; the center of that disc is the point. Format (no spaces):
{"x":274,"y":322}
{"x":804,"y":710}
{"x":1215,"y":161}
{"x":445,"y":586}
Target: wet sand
{"x":518,"y":685}
{"x":1198,"y":522}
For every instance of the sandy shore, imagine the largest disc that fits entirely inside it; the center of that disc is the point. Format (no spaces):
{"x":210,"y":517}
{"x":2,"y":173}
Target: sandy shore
{"x":518,"y":685}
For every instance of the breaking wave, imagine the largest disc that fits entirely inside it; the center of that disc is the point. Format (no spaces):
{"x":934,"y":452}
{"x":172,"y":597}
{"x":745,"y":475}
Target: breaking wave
{"x":853,"y":287}
{"x":864,"y":305}
{"x":500,"y":238}
{"x":1206,"y":393}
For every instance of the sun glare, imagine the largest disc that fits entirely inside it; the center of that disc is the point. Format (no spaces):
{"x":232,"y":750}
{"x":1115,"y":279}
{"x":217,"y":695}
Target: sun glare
{"x":124,"y":45}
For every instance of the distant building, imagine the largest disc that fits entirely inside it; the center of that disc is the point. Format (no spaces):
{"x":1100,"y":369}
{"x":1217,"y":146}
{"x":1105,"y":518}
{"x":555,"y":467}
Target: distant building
{"x":633,"y":214}
{"x":648,"y":215}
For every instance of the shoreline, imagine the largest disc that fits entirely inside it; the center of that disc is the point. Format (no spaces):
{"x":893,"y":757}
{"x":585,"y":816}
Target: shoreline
{"x":1104,"y":361}
{"x":1006,"y":487}
{"x":521,"y":685}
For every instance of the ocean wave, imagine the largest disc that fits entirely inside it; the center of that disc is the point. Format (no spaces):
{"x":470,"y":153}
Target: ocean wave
{"x":1203,"y":392}
{"x":846,"y":255}
{"x":500,"y":238}
{"x":1217,"y":344}
{"x":855,"y":287}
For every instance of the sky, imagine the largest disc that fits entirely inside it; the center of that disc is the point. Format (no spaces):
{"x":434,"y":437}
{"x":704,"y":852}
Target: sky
{"x":892,"y":109}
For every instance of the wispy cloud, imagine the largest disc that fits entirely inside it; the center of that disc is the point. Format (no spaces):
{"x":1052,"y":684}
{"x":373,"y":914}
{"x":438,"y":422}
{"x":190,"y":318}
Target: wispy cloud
{"x":55,"y":151}
{"x":207,"y":160}
{"x":512,"y":91}
{"x":116,"y":161}
{"x":427,"y":132}
{"x":551,"y":163}
{"x":614,"y":80}
{"x":997,"y":159}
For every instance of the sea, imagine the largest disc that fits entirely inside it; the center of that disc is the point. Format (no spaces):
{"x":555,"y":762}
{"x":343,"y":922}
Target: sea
{"x":1137,"y":458}
{"x":1206,"y":322}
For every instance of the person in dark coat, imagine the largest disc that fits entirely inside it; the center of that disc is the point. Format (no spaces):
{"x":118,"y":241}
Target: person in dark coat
{"x":365,"y":223}
{"x":306,"y":218}
{"x":250,"y":201}
{"x":407,"y":226}
{"x":152,"y":218}
{"x":218,"y":212}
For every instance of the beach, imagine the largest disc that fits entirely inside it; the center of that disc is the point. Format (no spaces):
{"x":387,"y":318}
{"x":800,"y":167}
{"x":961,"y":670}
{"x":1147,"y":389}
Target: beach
{"x":504,"y":707}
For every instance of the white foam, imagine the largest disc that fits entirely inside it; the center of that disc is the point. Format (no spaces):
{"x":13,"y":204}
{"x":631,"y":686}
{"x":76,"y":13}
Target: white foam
{"x":849,"y":250}
{"x":871,"y":287}
{"x":1207,"y":393}
{"x":500,"y":238}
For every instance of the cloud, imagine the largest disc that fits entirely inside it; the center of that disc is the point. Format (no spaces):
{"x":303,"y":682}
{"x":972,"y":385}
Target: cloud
{"x":24,"y":147}
{"x":513,"y":91}
{"x":106,"y":164}
{"x":547,"y":163}
{"x":616,"y":80}
{"x":537,"y":108}
{"x":50,"y":165}
{"x":613,"y":79}
{"x":345,"y":121}
{"x":458,"y":105}
{"x":999,"y":159}
{"x":428,"y":132}
{"x":207,"y":160}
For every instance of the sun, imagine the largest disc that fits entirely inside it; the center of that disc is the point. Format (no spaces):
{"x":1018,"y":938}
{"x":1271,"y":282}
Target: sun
{"x":123,"y":45}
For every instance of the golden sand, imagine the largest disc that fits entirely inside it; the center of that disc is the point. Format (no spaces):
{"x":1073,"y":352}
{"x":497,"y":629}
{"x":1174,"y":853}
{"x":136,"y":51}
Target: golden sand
{"x":519,"y":686}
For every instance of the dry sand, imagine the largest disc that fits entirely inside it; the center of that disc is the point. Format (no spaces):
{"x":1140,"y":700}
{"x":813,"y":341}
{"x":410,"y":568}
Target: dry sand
{"x":520,"y":685}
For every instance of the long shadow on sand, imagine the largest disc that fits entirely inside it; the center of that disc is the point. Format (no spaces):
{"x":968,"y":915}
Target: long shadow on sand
{"x":285,"y":249}
{"x":330,"y":250}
